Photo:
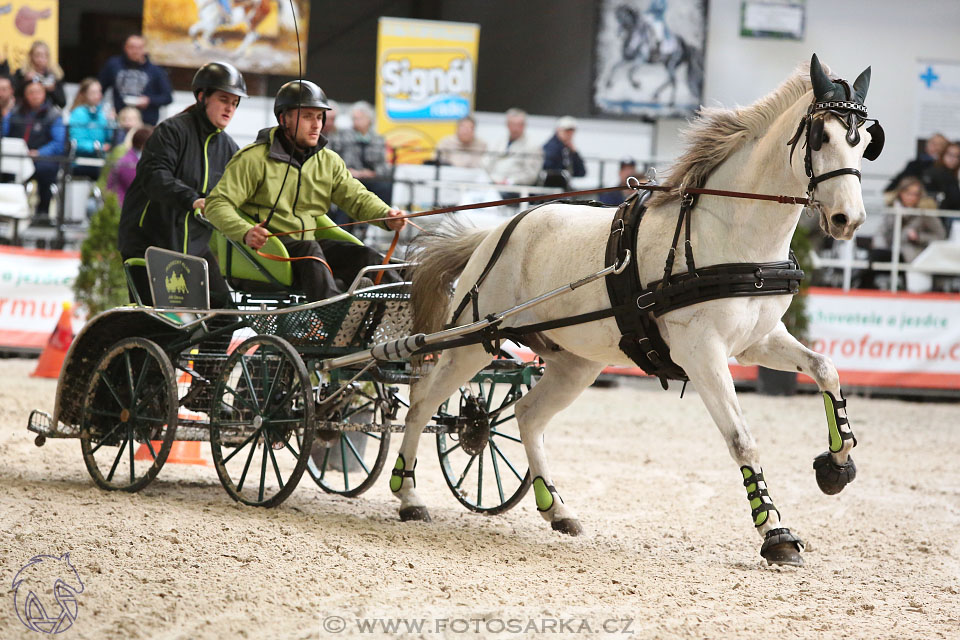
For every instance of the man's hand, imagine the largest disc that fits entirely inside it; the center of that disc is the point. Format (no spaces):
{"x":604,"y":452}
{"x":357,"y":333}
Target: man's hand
{"x":256,"y":237}
{"x":143,"y":102}
{"x":199,"y":203}
{"x":396,"y":225}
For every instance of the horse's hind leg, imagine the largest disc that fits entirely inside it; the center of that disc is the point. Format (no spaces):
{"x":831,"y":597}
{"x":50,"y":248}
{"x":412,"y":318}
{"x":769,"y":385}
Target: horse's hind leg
{"x":564,"y":379}
{"x":706,"y":365}
{"x":453,"y":368}
{"x":780,"y":350}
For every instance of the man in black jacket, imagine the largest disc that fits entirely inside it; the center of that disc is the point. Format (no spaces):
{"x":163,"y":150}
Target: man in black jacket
{"x":136,"y":82}
{"x":181,"y":163}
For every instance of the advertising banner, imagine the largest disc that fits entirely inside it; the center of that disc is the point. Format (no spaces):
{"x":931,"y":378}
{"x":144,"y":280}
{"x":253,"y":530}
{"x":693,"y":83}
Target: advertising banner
{"x":259,"y":36}
{"x":937,"y":85}
{"x":24,"y":21}
{"x":426,"y":81}
{"x":34,"y":284}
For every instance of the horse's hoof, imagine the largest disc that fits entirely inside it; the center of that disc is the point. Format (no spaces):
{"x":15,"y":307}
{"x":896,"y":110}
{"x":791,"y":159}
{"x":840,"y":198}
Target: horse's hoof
{"x":569,"y":526}
{"x":414,"y":513}
{"x":833,"y":477}
{"x":780,"y":546}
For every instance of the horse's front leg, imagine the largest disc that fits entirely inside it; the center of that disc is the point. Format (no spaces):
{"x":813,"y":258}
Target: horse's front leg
{"x":705,"y":363}
{"x":780,"y":350}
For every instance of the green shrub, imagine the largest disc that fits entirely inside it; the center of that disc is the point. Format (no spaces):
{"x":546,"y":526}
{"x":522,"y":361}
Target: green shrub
{"x":100,"y":283}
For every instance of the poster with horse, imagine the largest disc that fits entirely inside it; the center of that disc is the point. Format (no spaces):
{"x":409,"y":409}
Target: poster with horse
{"x":649,"y":57}
{"x":257,"y":36}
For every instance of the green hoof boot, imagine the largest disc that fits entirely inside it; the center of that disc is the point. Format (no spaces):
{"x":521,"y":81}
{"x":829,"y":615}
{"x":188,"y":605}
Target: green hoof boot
{"x":780,"y":546}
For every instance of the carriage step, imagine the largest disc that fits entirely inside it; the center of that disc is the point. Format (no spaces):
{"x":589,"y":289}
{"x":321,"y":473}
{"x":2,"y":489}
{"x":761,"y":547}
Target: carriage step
{"x":41,"y":422}
{"x":333,"y":425}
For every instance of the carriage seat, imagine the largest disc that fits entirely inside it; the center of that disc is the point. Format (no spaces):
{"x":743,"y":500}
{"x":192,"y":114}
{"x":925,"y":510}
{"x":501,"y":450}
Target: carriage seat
{"x":247,"y":271}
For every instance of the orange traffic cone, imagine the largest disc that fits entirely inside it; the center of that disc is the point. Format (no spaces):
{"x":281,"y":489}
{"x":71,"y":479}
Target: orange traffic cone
{"x":51,"y":360}
{"x":181,"y":452}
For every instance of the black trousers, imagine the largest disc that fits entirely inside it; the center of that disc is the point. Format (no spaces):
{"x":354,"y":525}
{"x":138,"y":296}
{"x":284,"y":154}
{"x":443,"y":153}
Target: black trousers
{"x":345,"y":258}
{"x":219,"y":291}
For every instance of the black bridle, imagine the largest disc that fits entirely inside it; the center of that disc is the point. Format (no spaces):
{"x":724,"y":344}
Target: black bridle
{"x":850,"y":113}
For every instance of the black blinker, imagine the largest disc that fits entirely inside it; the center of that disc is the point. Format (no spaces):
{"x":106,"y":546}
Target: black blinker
{"x":872,"y":152}
{"x":816,"y":133}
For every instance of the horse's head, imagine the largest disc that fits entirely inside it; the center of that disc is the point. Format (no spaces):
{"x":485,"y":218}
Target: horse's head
{"x":626,"y":16}
{"x":837,"y":140}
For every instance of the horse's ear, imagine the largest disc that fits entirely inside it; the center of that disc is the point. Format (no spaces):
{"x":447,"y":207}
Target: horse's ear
{"x":861,"y":85}
{"x":822,"y":85}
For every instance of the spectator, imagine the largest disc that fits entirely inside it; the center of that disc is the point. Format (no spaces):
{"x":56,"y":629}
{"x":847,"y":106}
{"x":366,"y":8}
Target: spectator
{"x":128,"y":121}
{"x":39,"y":68}
{"x":628,"y":167}
{"x":40,"y":124}
{"x":560,"y":158}
{"x":464,"y":148}
{"x":365,"y":152}
{"x":516,"y":161}
{"x":932,"y":150}
{"x":941,"y":179}
{"x":125,"y":170}
{"x":90,"y":130}
{"x":329,"y":130}
{"x":7,"y":101}
{"x":181,"y":163}
{"x":916,"y":231}
{"x":136,"y":81}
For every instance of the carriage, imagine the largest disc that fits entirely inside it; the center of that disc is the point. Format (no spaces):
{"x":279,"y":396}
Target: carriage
{"x":277,"y":387}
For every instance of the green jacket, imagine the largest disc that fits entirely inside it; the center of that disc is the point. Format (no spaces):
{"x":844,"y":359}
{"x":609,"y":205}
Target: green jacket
{"x":252,"y":180}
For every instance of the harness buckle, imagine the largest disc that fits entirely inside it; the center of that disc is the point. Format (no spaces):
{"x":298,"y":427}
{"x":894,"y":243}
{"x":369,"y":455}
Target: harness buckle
{"x":644,"y":307}
{"x":758,"y":274}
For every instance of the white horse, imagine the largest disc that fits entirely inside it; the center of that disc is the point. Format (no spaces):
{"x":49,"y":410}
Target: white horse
{"x":744,"y":150}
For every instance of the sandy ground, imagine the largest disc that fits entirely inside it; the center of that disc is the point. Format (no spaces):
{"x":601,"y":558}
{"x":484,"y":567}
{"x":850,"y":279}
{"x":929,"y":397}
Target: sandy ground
{"x":669,"y":550}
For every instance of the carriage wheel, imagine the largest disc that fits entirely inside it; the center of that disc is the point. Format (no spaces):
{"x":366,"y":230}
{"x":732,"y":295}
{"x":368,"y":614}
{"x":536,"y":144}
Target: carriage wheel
{"x":131,"y":398}
{"x":261,"y":425}
{"x":484,"y":464}
{"x":348,"y":463}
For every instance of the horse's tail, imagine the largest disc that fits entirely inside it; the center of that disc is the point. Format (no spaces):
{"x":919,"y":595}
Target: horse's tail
{"x":441,"y":255}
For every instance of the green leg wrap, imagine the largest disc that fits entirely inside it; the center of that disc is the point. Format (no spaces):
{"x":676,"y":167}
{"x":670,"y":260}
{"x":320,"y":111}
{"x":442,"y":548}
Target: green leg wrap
{"x":760,"y":501}
{"x":544,"y":494}
{"x":834,"y":421}
{"x":400,"y":472}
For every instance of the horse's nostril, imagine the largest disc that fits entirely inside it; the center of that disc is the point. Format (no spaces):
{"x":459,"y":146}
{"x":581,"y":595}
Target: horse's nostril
{"x":839,"y":219}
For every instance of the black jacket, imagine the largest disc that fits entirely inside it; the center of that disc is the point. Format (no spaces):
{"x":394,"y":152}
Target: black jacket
{"x":182,"y":161}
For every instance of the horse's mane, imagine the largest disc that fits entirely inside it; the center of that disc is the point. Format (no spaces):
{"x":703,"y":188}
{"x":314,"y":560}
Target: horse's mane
{"x":718,"y":132}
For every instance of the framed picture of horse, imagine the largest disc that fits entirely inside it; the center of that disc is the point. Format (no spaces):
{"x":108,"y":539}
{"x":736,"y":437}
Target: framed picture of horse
{"x":648,"y":57}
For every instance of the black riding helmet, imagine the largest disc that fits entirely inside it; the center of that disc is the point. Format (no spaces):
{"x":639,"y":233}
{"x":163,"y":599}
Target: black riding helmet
{"x":219,"y":76}
{"x":299,"y":93}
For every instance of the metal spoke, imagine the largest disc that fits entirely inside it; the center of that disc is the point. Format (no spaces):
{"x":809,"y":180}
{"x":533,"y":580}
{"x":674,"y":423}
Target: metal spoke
{"x":489,"y":398}
{"x":129,"y":369}
{"x":504,"y":435}
{"x":104,"y":438}
{"x":276,"y":467}
{"x":130,"y":448}
{"x":497,"y":449}
{"x":139,"y":406}
{"x":323,"y":467}
{"x":150,"y":447}
{"x":290,"y":394}
{"x":246,"y":467}
{"x":109,"y":386}
{"x":140,"y":377}
{"x":116,"y":460}
{"x":273,"y":383}
{"x":103,"y":413}
{"x":355,"y":453}
{"x":289,"y":447}
{"x":496,"y":473}
{"x":246,"y":375}
{"x":371,"y":434}
{"x":236,"y":395}
{"x":241,"y":446}
{"x":450,"y":450}
{"x":465,"y":471}
{"x":343,"y":460}
{"x":480,"y":480}
{"x":263,"y":464}
{"x":358,"y":409}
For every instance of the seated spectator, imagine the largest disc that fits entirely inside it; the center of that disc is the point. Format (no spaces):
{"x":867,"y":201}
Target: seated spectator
{"x":463,"y":148}
{"x":125,"y":170}
{"x":39,"y":123}
{"x":517,"y":160}
{"x":941,"y":179}
{"x":7,"y":100}
{"x":329,"y":129}
{"x":365,"y":152}
{"x":932,"y":150}
{"x":128,"y":121}
{"x":136,"y":82}
{"x":38,"y":67}
{"x":628,"y":167}
{"x":90,"y":130}
{"x":560,"y":158}
{"x":916,"y":232}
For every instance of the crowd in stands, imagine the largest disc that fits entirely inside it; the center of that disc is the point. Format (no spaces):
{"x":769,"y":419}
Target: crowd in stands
{"x":33,"y":108}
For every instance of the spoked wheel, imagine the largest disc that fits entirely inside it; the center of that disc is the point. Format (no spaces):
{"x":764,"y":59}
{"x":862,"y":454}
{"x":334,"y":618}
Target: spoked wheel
{"x":261,"y":424}
{"x":482,"y":458}
{"x":348,"y":462}
{"x":131,"y":399}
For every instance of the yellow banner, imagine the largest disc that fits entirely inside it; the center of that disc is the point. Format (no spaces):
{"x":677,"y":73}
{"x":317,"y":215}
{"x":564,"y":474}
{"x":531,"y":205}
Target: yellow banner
{"x":426,"y":81}
{"x":24,"y":21}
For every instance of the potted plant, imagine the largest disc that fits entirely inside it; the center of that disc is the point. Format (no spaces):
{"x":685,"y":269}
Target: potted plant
{"x":784,"y":383}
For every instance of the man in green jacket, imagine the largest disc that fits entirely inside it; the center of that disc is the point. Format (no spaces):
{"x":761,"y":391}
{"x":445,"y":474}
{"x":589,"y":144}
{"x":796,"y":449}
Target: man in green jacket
{"x":285,"y":181}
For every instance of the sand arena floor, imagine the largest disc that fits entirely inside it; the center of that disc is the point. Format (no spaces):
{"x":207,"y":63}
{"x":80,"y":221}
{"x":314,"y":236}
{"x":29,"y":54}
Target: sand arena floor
{"x":668,"y":552}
